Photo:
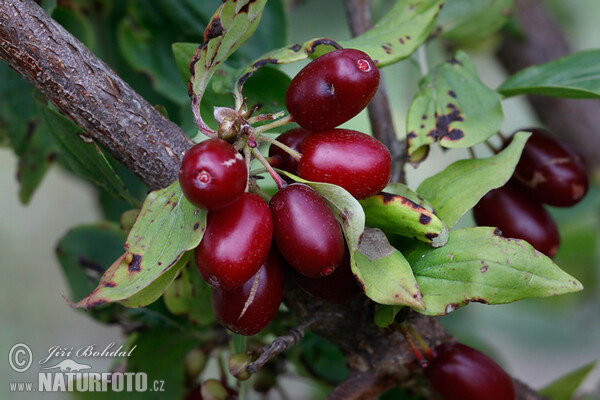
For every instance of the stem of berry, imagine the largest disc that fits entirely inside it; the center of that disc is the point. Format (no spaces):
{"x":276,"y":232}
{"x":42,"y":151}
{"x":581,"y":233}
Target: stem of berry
{"x":265,"y":117}
{"x":278,"y":180}
{"x":424,"y":346}
{"x":413,"y":347}
{"x":275,"y":124}
{"x":472,"y":152}
{"x":423,"y":60}
{"x":248,"y":159}
{"x":282,"y":146}
{"x":254,"y":188}
{"x":503,"y":138}
{"x":493,"y":148}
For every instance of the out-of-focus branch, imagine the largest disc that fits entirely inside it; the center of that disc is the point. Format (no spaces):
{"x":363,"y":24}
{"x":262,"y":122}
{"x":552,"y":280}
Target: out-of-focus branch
{"x":574,"y":121}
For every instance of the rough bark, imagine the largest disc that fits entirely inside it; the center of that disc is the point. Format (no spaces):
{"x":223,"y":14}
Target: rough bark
{"x":86,"y":90}
{"x":90,"y":93}
{"x":574,"y":121}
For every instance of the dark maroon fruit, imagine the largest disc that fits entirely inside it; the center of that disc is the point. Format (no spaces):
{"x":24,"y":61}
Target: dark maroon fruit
{"x":236,"y":241}
{"x":555,"y":174}
{"x":306,"y":231}
{"x":353,"y":160}
{"x":213,"y":174}
{"x":249,"y":308}
{"x":332,"y":89}
{"x":518,"y":216}
{"x":459,"y":372}
{"x":338,"y":288}
{"x":279,"y":158}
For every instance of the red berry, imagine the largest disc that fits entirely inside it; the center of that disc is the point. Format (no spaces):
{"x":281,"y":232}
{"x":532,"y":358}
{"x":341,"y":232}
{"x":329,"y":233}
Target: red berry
{"x":518,"y":216}
{"x":213,"y":174}
{"x":554,"y":174}
{"x":338,"y":288}
{"x":280,"y":159}
{"x":306,"y":231}
{"x":460,"y":372}
{"x":353,"y":160}
{"x":249,"y":308}
{"x":235,"y":243}
{"x":332,"y":89}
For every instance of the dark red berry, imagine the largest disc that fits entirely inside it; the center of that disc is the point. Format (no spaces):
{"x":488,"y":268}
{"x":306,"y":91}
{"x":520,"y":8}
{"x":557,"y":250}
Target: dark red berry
{"x":338,"y":288}
{"x":332,"y":89}
{"x":279,"y":158}
{"x":518,"y":216}
{"x":459,"y":372}
{"x":353,"y":160}
{"x":554,"y":174}
{"x":306,"y":231}
{"x":213,"y":174}
{"x":235,"y":243}
{"x":249,"y":308}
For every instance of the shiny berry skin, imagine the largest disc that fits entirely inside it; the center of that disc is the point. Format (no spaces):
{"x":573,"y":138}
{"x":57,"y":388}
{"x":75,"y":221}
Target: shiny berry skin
{"x":236,"y":242}
{"x":213,"y":174}
{"x":459,"y":372}
{"x":338,"y":288}
{"x":249,"y":308}
{"x":306,"y":231}
{"x":279,"y":158}
{"x":332,"y":89}
{"x":554,"y":174}
{"x":353,"y":160}
{"x":518,"y":216}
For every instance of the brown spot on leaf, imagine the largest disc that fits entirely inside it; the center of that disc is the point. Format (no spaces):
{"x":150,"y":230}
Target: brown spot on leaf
{"x":327,"y":42}
{"x":407,"y":37}
{"x":244,"y":78}
{"x":245,"y":8}
{"x":424,"y":117}
{"x":134,"y":265}
{"x":264,"y":61}
{"x":295,"y":47}
{"x":387,"y":48}
{"x":196,"y":226}
{"x":431,"y":235}
{"x":442,"y":125}
{"x":401,"y":40}
{"x":422,"y":126}
{"x":214,"y":29}
{"x":387,"y":197}
{"x":484,"y":267}
{"x":110,"y":284}
{"x":452,"y":93}
{"x":424,"y":219}
{"x":345,"y":216}
{"x":96,"y":303}
{"x":497,"y":232}
{"x":454,"y":61}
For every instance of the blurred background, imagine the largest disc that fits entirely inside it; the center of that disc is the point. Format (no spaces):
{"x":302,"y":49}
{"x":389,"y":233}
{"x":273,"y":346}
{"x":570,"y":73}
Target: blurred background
{"x":535,"y":340}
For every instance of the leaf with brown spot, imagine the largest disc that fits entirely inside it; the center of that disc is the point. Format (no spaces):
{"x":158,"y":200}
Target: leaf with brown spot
{"x":162,"y":233}
{"x":384,"y":273}
{"x":403,"y":212}
{"x":478,"y":265}
{"x":453,"y":108}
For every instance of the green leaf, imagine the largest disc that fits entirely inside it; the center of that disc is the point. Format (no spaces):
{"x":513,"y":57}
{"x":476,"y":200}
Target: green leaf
{"x":190,"y":295}
{"x":564,"y":387}
{"x":576,"y":76}
{"x":384,"y":273}
{"x":469,"y":21}
{"x":399,"y":33}
{"x":324,"y":359}
{"x":400,"y":211}
{"x":347,"y":209}
{"x":461,"y":185}
{"x":385,"y":315}
{"x":167,"y":227}
{"x":477,"y":264}
{"x":84,"y":158}
{"x":452,"y":107}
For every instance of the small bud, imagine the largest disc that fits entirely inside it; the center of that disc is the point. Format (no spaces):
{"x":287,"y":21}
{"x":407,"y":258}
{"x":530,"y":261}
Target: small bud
{"x":212,"y":389}
{"x":128,"y":219}
{"x":194,"y":363}
{"x":238,"y":366}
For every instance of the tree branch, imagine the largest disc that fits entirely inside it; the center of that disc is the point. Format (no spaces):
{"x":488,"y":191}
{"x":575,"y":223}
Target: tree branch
{"x":90,"y":93}
{"x":380,"y":113}
{"x":574,"y":121}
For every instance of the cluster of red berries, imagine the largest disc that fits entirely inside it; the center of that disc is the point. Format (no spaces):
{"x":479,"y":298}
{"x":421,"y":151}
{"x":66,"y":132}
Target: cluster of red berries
{"x":547,"y":173}
{"x":247,"y":242}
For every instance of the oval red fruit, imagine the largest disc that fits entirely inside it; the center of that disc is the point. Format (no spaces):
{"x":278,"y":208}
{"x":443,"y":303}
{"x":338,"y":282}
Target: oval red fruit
{"x":459,"y":372}
{"x":212,"y":174}
{"x":236,"y":241}
{"x":518,"y":216}
{"x":353,"y":160}
{"x":332,"y":89}
{"x":249,"y":308}
{"x":306,"y":231}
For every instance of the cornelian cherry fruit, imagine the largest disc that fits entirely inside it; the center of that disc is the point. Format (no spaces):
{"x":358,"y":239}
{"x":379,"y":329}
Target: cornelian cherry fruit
{"x":306,"y":231}
{"x":236,"y":242}
{"x":249,"y":308}
{"x":332,"y":89}
{"x":353,"y":160}
{"x":213,"y":174}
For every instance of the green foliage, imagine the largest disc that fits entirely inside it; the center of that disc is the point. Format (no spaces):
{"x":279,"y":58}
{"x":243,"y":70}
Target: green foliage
{"x":189,"y":295}
{"x":477,"y":264}
{"x":446,"y":190}
{"x":575,"y":76}
{"x":385,"y":315}
{"x":453,"y":107}
{"x":564,"y":387}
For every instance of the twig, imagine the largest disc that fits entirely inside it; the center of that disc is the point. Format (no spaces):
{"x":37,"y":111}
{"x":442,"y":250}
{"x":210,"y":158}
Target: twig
{"x":281,"y":344}
{"x":380,"y":114}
